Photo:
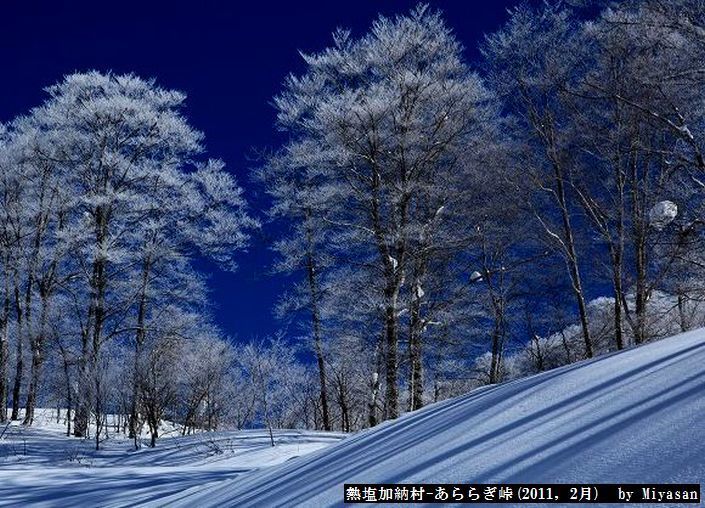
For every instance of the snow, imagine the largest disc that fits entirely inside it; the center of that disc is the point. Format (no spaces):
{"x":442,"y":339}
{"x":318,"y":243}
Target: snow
{"x":662,"y":214}
{"x":420,"y":292}
{"x":476,"y":276}
{"x":40,"y":466}
{"x":636,"y":416}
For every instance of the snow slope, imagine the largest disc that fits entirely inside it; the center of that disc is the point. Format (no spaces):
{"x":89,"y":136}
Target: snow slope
{"x":635,"y":416}
{"x":40,"y":466}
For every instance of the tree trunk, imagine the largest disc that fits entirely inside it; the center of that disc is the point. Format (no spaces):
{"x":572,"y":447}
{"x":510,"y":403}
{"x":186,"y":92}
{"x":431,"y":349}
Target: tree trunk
{"x":33,"y":386}
{"x":639,"y":232}
{"x":99,"y":421}
{"x":139,"y":342}
{"x":572,"y":257}
{"x":498,"y":331}
{"x":494,"y":362}
{"x":617,"y":265}
{"x":391,"y":343}
{"x":415,"y":360}
{"x":19,"y":354}
{"x":153,"y":428}
{"x":80,"y":415}
{"x":90,"y":359}
{"x":495,"y":284}
{"x":640,"y":297}
{"x":374,"y":388}
{"x":544,"y":126}
{"x":618,"y":257}
{"x":35,"y":339}
{"x":69,"y":391}
{"x":17,"y":385}
{"x":37,"y":346}
{"x":316,"y":322}
{"x":415,"y":363}
{"x":618,"y":291}
{"x":271,"y":433}
{"x":394,"y":278}
{"x":682,"y":320}
{"x":4,"y":351}
{"x":344,"y":411}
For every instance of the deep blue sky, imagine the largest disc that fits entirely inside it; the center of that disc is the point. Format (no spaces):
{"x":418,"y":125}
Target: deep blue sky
{"x":229,"y":57}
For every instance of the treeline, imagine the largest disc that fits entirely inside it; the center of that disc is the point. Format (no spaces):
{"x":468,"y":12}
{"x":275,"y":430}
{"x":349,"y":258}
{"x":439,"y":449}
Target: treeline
{"x":105,"y":202}
{"x":446,"y":226}
{"x":453,"y":226}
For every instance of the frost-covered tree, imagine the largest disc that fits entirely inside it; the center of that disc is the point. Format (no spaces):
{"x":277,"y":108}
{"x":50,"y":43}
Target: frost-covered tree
{"x":104,"y":206}
{"x":297,"y":199}
{"x":379,"y":123}
{"x":610,"y":115}
{"x":125,"y":149}
{"x":112,"y":135}
{"x":5,"y":242}
{"x":269,"y":367}
{"x":667,"y":44}
{"x":184,"y":214}
{"x":628,"y":154}
{"x":208,"y":384}
{"x":646,"y":74}
{"x":530,"y":60}
{"x":33,"y":212}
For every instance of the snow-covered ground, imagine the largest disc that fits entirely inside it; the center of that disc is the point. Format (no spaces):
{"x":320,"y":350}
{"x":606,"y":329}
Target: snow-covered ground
{"x":40,"y":466}
{"x":635,"y":417}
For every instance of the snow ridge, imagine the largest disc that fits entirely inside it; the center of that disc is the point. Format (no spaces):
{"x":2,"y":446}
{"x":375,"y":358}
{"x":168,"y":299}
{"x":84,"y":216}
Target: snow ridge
{"x":636,"y":416}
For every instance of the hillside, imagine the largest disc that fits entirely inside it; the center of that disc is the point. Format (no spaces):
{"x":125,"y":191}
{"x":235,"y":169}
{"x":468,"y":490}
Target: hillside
{"x":636,"y":416}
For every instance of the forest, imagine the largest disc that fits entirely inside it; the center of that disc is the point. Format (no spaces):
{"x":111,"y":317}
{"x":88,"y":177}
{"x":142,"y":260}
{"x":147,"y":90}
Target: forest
{"x":445,"y":222}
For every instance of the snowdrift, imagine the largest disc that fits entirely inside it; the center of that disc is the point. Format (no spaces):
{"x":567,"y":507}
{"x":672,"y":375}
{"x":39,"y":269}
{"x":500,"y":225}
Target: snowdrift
{"x":634,"y":416}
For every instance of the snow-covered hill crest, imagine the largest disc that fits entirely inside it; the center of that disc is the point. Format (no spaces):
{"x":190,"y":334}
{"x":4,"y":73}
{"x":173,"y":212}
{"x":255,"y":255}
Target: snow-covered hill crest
{"x":637,"y":416}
